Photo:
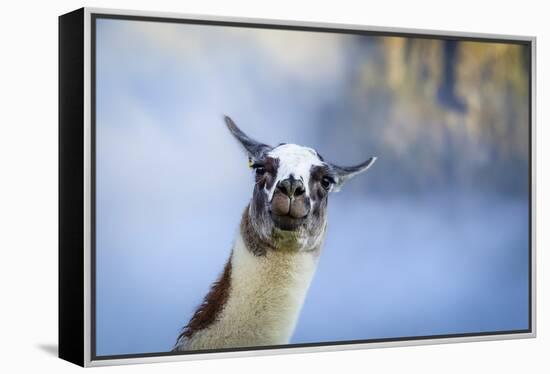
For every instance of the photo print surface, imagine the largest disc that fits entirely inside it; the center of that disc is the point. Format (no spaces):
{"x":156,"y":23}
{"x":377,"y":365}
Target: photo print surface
{"x":197,"y":123}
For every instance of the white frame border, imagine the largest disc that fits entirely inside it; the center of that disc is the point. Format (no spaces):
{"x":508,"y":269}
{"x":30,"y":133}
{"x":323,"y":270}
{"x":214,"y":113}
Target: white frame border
{"x":88,"y":362}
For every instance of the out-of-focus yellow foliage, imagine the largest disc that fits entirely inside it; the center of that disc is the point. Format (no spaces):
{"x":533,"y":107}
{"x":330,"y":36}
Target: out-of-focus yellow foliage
{"x":464,"y":114}
{"x":494,"y":83}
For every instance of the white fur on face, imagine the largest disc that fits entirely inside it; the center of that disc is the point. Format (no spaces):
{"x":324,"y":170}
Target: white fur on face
{"x":294,"y":160}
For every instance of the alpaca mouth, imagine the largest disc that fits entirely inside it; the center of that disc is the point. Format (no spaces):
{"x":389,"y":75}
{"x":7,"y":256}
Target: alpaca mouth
{"x":287,"y":222}
{"x":289,"y":212}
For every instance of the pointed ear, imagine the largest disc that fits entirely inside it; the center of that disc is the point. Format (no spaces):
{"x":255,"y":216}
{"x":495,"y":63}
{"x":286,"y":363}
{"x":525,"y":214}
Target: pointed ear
{"x":345,"y":173}
{"x":255,"y":149}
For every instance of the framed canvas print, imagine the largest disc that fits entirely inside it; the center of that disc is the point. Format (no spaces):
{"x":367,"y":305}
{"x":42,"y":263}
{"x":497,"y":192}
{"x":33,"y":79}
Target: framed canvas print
{"x":239,"y":186}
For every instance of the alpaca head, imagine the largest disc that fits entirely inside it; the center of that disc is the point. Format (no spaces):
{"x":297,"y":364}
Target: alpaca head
{"x":288,"y":209}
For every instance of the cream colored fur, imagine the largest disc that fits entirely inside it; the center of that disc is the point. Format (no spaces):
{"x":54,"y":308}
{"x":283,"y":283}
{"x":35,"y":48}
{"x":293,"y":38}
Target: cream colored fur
{"x":265,"y":297}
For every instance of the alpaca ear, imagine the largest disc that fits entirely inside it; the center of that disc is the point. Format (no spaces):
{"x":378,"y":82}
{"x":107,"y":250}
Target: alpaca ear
{"x":255,"y":150}
{"x":345,"y":173}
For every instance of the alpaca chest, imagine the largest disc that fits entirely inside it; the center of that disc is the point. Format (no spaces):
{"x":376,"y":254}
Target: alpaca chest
{"x":265,"y":297}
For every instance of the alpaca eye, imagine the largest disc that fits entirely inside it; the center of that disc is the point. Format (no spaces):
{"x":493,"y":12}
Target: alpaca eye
{"x":259,"y":169}
{"x":326,"y":182}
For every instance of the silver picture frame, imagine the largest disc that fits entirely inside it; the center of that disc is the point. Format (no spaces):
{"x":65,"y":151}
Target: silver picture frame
{"x":77,"y":347}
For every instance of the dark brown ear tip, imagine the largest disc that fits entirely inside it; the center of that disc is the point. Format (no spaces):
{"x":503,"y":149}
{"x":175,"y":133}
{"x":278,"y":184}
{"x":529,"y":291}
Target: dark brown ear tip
{"x":232,"y":126}
{"x":254,"y":148}
{"x":367,"y":164}
{"x":228,"y":119}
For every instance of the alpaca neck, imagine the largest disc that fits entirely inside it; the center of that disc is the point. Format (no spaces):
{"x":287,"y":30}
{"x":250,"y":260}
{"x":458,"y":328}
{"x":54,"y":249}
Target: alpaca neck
{"x":263,"y":301}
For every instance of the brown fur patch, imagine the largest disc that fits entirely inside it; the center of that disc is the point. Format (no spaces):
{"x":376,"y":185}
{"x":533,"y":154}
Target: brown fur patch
{"x":271,"y":165}
{"x":211,"y":306}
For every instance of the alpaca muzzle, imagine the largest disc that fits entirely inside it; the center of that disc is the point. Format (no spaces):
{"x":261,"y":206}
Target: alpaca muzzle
{"x":290,"y":206}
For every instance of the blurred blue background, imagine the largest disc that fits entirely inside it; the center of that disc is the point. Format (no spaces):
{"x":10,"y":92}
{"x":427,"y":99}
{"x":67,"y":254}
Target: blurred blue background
{"x":433,"y":239}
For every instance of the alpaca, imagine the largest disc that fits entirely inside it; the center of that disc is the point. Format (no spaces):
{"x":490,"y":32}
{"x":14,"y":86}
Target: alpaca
{"x":257,"y":298}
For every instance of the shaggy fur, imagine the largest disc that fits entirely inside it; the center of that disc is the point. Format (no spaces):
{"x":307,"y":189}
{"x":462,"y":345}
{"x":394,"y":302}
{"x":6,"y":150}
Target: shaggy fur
{"x":257,"y":299}
{"x":211,"y":306}
{"x":265,"y":295}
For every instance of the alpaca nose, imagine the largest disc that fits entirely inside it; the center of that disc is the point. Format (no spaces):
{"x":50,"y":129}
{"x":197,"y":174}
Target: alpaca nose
{"x":291,"y":187}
